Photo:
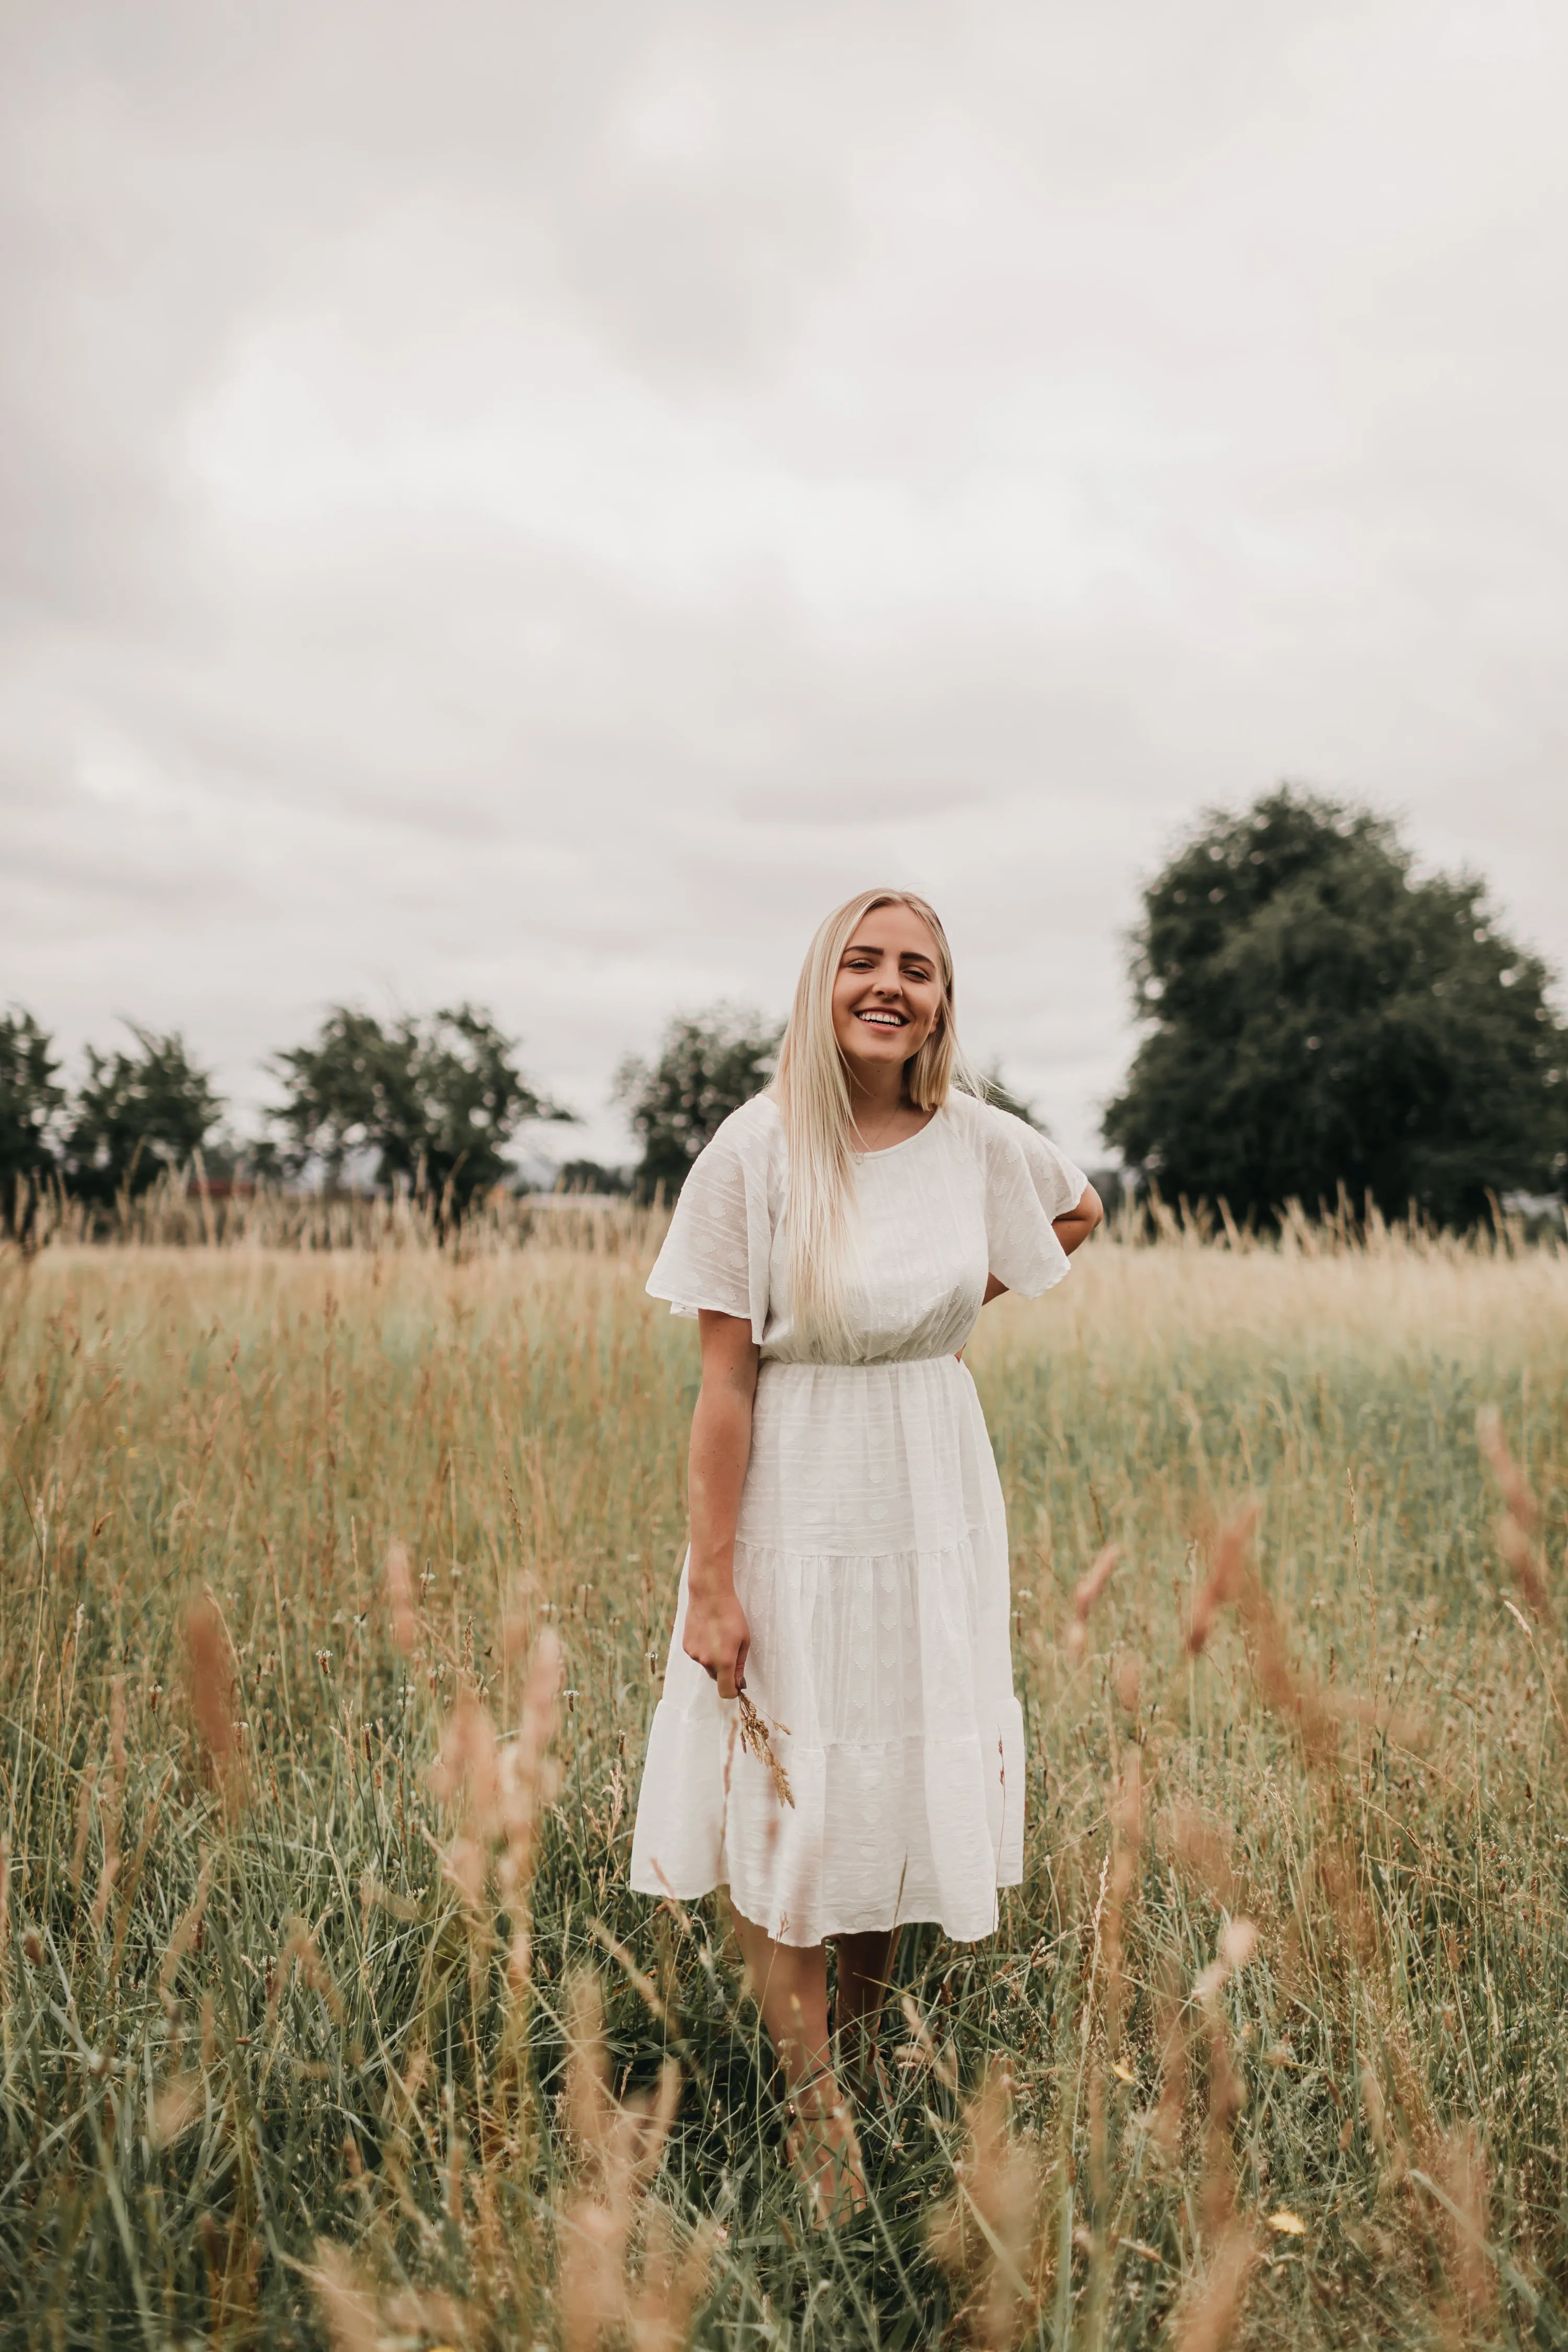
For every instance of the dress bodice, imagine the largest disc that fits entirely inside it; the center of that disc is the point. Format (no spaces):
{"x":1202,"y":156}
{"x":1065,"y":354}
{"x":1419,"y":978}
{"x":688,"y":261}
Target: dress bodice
{"x":972,"y":1195}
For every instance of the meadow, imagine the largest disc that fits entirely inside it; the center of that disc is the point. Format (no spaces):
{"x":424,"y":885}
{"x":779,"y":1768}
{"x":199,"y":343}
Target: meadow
{"x":333,"y":1597}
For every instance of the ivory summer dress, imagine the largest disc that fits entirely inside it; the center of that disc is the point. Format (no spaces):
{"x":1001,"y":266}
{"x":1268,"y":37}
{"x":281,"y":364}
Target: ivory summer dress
{"x":872,"y":1550}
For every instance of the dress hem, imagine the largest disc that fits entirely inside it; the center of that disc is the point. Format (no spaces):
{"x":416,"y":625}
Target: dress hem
{"x":667,"y":1892}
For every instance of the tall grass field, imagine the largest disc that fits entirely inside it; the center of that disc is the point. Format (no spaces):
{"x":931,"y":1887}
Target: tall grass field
{"x":334,"y":1597}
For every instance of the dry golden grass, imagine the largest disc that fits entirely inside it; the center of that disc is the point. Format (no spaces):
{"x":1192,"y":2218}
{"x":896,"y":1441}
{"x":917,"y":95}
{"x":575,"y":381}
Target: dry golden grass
{"x":335,"y":1589}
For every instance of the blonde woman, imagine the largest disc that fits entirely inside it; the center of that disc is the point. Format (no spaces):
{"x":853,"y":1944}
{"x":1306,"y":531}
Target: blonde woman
{"x":847,"y":1567}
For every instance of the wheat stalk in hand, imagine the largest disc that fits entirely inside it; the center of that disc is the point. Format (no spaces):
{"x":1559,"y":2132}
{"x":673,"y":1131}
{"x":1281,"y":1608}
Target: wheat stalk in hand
{"x":755,"y":1741}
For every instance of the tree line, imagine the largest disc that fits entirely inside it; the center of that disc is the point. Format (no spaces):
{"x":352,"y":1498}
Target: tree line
{"x":1314,"y":1016}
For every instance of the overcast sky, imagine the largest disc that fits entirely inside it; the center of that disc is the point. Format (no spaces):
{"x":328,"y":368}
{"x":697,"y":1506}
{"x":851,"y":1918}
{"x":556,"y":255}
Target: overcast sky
{"x":535,"y":502}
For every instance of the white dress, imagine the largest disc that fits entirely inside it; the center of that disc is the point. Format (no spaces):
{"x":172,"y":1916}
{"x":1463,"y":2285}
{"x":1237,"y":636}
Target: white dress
{"x":872,"y":1551}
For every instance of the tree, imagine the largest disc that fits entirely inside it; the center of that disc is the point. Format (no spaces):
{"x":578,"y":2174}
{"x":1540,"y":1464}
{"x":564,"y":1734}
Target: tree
{"x":435,"y":1101}
{"x":591,"y":1176}
{"x":1318,"y":1016}
{"x":31,"y":1100}
{"x":139,"y":1117}
{"x":708,"y":1064}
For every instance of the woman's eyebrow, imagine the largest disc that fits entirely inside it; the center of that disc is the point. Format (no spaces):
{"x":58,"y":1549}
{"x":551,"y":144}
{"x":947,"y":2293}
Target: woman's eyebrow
{"x":906,"y":955}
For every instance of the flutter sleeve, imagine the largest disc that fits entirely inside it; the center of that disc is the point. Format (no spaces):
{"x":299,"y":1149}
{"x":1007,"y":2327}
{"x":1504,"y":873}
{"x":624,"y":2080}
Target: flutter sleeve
{"x":1028,"y":1183}
{"x":720,"y":1240}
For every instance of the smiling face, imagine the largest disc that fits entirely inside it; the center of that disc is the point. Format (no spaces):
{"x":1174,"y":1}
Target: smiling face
{"x":888,"y":992}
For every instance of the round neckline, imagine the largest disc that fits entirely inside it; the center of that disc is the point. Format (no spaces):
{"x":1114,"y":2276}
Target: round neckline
{"x":904,"y":1142}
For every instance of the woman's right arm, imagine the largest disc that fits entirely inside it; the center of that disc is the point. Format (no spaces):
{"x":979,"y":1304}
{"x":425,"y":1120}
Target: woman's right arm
{"x":717,"y":1634}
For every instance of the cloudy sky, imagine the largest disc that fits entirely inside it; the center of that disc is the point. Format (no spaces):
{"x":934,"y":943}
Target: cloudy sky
{"x":534,"y":503}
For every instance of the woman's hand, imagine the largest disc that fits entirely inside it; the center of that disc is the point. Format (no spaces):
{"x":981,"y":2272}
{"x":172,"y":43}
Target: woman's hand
{"x":718,"y":1637}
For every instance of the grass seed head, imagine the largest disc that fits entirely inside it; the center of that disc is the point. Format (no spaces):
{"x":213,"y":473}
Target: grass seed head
{"x":1515,"y":1487}
{"x":1129,"y":1683}
{"x":347,"y":2305}
{"x":1462,"y":2172}
{"x":754,"y":1739}
{"x":186,"y":1928}
{"x":1520,"y":1520}
{"x":1529,"y":1570}
{"x":400,"y":1599}
{"x":83,"y":1825}
{"x":210,"y":1671}
{"x":671,"y":2284}
{"x":1236,"y":1946}
{"x":1229,"y":1572}
{"x":1086,"y":1594}
{"x":983,"y":2235}
{"x":1212,"y":2317}
{"x":1165,"y":2124}
{"x":619,"y":2148}
{"x":1204,"y":1847}
{"x":173,"y":2107}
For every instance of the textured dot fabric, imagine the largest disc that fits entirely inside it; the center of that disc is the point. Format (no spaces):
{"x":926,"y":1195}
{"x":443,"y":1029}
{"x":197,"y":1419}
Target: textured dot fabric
{"x":872,"y":1551}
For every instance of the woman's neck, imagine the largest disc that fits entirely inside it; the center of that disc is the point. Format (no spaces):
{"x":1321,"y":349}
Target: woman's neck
{"x":875,"y":1092}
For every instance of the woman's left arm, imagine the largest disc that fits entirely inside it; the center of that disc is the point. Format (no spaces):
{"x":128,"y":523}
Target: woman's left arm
{"x":1080,"y":1221}
{"x":1070,"y":1229}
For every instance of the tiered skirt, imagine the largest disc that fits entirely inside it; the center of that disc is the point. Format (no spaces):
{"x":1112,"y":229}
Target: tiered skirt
{"x":871,"y":1562}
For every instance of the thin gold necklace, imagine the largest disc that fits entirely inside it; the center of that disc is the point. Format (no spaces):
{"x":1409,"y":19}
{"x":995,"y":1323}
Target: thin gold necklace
{"x":868,"y":1145}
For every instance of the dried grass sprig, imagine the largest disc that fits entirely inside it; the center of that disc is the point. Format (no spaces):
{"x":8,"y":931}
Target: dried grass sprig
{"x":498,"y":1790}
{"x":1210,"y":2320}
{"x":619,"y":2147}
{"x":983,"y":2236}
{"x":1233,"y":1581}
{"x":1519,"y":1520}
{"x":1127,"y":1841}
{"x":210,"y":1669}
{"x":754,"y":1739}
{"x":400,"y":1599}
{"x":1461,"y":2185}
{"x":1086,"y":1594}
{"x":1228,"y":2093}
{"x":1163,"y":2121}
{"x":348,"y":2306}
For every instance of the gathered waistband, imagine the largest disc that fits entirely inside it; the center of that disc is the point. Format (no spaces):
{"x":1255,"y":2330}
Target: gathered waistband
{"x":878,"y":1363}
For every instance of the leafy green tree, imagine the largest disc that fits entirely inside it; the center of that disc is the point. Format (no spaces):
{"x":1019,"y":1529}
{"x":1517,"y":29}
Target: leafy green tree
{"x":1318,"y":1016}
{"x":31,"y":1100}
{"x":140,"y":1116}
{"x":708,"y":1064}
{"x":435,"y":1101}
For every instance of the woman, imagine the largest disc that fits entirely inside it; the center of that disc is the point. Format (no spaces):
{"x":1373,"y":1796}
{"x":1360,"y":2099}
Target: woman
{"x":847,"y":1567}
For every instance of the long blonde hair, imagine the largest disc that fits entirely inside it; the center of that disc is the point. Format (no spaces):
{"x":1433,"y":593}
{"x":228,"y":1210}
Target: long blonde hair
{"x":812,"y":1089}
